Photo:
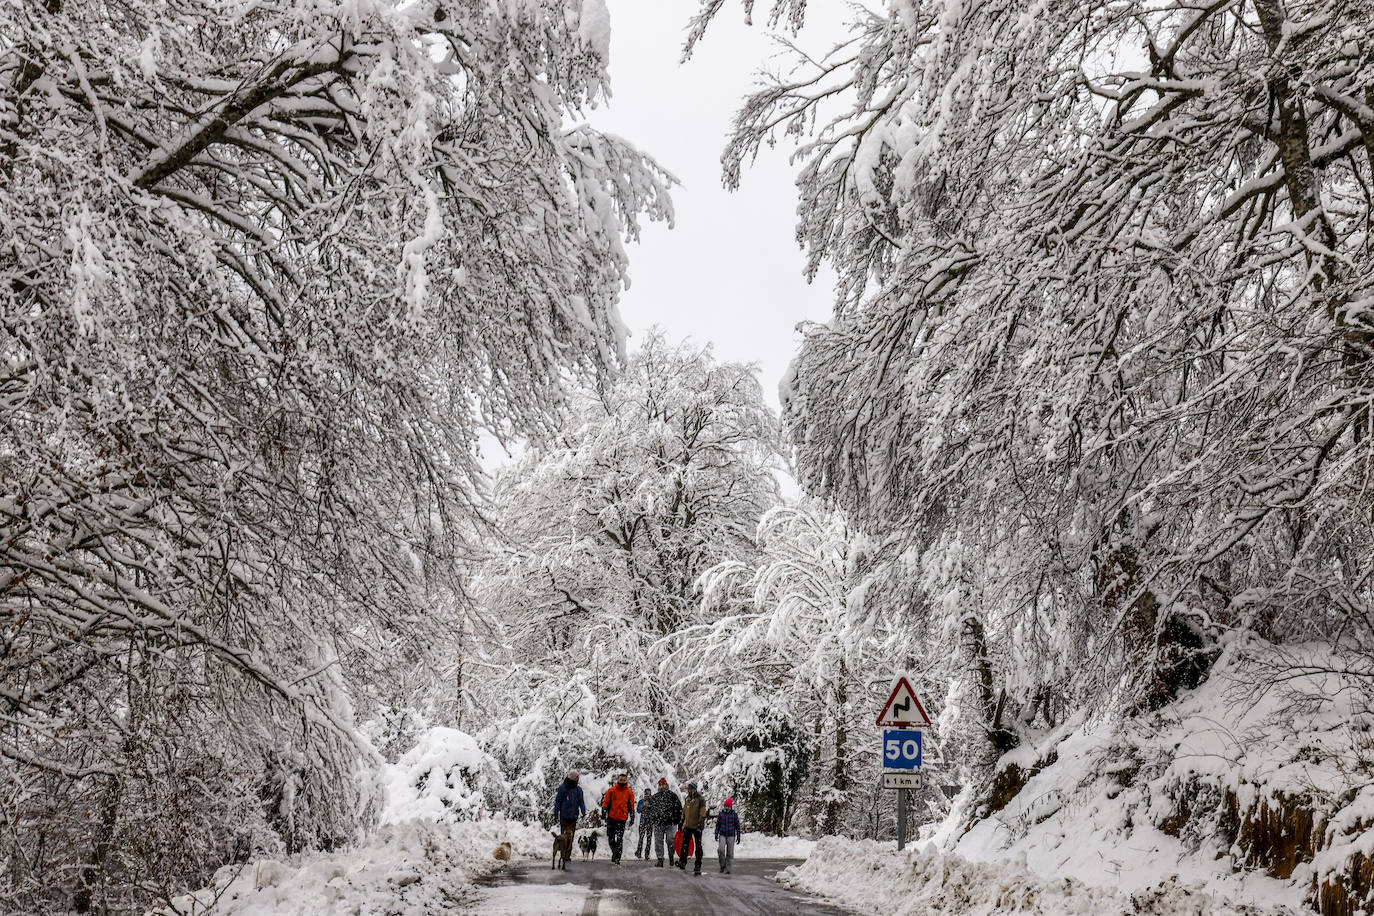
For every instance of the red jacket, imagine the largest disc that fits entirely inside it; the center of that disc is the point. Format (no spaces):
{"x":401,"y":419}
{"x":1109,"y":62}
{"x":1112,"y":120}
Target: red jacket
{"x":618,"y":801}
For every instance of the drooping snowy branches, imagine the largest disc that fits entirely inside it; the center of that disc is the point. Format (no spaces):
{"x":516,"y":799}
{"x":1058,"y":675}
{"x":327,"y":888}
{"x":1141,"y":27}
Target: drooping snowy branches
{"x":1104,"y":320}
{"x":265,"y":270}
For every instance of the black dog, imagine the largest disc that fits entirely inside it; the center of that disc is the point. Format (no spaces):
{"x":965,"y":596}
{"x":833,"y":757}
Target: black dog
{"x":587,"y":843}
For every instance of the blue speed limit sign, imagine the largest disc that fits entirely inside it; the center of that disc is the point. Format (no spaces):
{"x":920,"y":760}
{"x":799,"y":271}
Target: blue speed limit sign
{"x":901,"y":749}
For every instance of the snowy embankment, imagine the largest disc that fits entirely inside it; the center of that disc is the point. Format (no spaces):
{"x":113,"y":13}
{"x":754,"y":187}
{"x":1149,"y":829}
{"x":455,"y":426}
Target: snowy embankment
{"x":413,"y":868}
{"x":872,"y":877}
{"x":761,"y":846}
{"x":436,"y":838}
{"x":1254,"y":785}
{"x":1250,"y":794}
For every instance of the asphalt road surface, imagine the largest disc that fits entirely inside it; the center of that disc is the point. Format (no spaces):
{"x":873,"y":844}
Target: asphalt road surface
{"x":597,"y":888}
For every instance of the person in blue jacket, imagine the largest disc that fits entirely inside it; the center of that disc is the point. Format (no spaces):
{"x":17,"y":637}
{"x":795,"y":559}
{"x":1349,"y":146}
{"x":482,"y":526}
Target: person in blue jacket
{"x":646,"y":828}
{"x":568,"y":804}
{"x":728,"y":833}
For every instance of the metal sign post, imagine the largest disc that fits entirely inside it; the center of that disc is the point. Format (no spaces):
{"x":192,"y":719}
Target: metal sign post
{"x":905,"y":717}
{"x":901,"y":819}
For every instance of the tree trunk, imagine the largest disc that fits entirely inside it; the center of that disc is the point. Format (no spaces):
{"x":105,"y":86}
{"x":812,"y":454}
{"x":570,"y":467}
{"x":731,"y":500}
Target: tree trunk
{"x":1304,"y":196}
{"x":458,"y":690}
{"x":92,"y":875}
{"x":839,"y":784}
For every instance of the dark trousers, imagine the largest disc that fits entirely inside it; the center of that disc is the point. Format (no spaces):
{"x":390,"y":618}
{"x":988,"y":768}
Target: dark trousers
{"x":646,"y":838}
{"x":690,"y":834}
{"x":566,"y":824}
{"x":615,"y":835}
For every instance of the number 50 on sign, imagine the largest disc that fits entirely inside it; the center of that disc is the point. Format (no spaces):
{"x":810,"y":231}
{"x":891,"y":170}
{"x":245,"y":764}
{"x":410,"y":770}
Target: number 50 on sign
{"x":901,"y":749}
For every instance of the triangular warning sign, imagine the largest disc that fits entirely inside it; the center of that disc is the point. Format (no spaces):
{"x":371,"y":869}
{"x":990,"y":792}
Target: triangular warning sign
{"x":903,"y":708}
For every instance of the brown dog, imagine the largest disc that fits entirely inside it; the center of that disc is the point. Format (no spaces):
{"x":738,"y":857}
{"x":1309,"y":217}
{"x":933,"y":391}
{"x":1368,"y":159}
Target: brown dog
{"x":502,"y":853}
{"x":562,"y":849}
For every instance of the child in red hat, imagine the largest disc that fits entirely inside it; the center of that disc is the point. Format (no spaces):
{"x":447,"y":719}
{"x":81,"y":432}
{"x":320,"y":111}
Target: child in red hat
{"x":728,"y":833}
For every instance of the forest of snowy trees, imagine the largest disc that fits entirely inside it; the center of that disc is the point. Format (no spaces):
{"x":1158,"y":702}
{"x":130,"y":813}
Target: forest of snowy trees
{"x":1093,"y":409}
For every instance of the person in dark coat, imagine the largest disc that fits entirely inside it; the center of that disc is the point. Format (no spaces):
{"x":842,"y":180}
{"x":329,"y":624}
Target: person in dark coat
{"x":728,"y":833}
{"x":568,"y":804}
{"x":666,"y":810}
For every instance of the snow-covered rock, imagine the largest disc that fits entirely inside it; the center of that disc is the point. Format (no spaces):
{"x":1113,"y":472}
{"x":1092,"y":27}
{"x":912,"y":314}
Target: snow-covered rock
{"x":1185,"y":794}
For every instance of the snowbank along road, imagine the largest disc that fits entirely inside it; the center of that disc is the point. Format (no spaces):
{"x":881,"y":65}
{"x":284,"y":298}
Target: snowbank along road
{"x":596,"y":888}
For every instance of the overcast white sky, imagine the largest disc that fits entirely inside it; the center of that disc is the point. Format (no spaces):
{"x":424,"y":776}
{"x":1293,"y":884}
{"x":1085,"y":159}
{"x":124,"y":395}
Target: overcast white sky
{"x":730,"y":272}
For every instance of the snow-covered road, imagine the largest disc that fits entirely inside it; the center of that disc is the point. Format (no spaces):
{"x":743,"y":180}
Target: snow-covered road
{"x":596,"y":888}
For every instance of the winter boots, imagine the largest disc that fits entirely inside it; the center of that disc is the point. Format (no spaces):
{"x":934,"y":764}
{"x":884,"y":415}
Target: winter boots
{"x":658,"y":864}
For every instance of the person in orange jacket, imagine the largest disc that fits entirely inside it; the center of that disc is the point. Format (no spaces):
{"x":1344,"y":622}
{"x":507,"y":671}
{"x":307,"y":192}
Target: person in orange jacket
{"x":618,"y":804}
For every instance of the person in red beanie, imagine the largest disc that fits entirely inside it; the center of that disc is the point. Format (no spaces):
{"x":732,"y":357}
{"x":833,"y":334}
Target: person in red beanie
{"x":728,"y":833}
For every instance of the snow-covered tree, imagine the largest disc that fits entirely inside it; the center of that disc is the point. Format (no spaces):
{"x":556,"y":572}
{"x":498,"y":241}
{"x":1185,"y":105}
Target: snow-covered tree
{"x":1104,"y":324}
{"x":607,"y":527}
{"x":763,"y":754}
{"x":807,"y":623}
{"x":556,"y":722}
{"x":265,"y":271}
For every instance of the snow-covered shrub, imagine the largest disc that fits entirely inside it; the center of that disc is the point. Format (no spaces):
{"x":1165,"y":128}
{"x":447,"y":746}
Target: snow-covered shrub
{"x":764,"y":758}
{"x":446,"y":776}
{"x":395,"y":729}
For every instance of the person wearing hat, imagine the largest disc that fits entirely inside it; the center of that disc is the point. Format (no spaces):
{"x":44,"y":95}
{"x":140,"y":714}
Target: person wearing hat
{"x":728,"y":833}
{"x":693,"y":823}
{"x":665,"y":810}
{"x":568,"y":804}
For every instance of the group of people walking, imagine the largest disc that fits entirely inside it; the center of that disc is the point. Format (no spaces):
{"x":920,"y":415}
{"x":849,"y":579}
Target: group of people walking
{"x":665,"y":821}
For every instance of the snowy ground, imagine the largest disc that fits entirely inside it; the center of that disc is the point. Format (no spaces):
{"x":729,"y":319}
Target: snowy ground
{"x":759,"y":846}
{"x":411,"y":869}
{"x":871,"y":877}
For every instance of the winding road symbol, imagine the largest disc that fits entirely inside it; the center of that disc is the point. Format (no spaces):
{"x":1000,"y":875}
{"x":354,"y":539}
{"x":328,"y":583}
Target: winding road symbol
{"x":903,"y":708}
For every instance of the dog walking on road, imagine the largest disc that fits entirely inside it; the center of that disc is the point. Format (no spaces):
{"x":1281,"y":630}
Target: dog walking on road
{"x":562,"y":849}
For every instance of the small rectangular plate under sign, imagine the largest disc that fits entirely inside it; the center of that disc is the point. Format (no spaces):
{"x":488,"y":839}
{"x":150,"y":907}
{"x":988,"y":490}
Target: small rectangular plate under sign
{"x":901,"y":780}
